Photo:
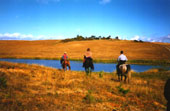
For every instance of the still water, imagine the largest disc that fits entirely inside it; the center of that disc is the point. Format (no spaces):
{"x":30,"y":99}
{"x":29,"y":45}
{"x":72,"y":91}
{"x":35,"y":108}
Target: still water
{"x":77,"y":65}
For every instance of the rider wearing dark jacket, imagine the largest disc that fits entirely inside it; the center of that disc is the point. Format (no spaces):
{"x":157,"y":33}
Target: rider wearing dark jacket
{"x":88,"y":61}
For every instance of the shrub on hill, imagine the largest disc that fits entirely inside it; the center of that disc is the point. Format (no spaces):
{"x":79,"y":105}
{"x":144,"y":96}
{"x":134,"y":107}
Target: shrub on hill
{"x":138,"y":41}
{"x":80,"y":38}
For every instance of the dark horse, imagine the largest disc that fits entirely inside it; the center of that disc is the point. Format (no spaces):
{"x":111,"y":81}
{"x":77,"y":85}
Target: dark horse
{"x":65,"y":64}
{"x":88,"y":65}
{"x":124,"y":70}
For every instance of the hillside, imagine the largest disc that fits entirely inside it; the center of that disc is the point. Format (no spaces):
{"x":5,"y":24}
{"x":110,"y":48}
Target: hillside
{"x":38,"y":88}
{"x":101,"y":49}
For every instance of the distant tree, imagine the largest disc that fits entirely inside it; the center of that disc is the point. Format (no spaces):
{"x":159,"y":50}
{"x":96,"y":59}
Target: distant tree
{"x":135,"y":40}
{"x":92,"y":37}
{"x":109,"y":37}
{"x":140,"y":41}
{"x":79,"y":37}
{"x":100,"y":37}
{"x":117,"y":38}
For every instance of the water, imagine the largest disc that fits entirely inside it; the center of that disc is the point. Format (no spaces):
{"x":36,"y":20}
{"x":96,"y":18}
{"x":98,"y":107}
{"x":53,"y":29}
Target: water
{"x":77,"y":66}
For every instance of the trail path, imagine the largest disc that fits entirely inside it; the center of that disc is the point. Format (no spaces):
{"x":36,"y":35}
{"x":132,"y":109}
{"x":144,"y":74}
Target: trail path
{"x":166,"y":47}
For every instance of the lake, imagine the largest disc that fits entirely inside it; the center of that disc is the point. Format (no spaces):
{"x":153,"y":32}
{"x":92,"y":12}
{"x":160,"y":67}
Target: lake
{"x":77,"y":65}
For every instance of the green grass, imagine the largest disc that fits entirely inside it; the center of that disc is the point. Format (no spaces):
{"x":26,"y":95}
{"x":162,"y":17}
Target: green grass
{"x":122,"y":90}
{"x":3,"y":82}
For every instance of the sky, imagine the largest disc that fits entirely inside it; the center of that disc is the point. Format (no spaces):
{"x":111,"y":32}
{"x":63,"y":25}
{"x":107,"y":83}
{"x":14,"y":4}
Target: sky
{"x":147,"y":20}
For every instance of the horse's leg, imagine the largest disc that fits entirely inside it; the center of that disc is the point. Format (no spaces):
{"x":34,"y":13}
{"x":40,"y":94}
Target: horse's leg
{"x":118,"y":77}
{"x":86,"y":70}
{"x":128,"y":79}
{"x":129,"y":76}
{"x":65,"y":67}
{"x":69,"y":67}
{"x":121,"y":77}
{"x":125,"y":78}
{"x":90,"y":70}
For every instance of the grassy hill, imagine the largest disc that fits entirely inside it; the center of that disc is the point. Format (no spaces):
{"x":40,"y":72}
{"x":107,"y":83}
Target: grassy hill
{"x":38,"y":88}
{"x":101,"y":49}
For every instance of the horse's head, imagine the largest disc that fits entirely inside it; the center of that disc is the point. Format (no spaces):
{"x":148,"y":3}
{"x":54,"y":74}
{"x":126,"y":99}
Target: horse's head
{"x":123,"y":68}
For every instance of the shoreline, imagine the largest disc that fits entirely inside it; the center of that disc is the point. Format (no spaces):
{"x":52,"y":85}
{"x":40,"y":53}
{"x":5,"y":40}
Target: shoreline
{"x":140,"y":62}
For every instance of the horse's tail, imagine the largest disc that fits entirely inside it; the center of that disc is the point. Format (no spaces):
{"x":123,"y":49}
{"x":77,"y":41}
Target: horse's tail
{"x":128,"y":72}
{"x":123,"y":68}
{"x":129,"y":76}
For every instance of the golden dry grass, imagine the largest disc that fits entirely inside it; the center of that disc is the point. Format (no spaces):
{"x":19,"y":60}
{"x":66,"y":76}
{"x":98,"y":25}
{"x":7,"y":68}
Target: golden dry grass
{"x":101,"y":49}
{"x":39,"y":88}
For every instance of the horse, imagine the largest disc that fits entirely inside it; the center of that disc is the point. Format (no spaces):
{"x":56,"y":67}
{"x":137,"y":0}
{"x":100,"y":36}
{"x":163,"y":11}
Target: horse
{"x":88,"y":65}
{"x":124,"y":71}
{"x":65,"y":64}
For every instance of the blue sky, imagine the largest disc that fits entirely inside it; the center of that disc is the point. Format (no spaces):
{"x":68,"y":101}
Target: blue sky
{"x":59,"y":19}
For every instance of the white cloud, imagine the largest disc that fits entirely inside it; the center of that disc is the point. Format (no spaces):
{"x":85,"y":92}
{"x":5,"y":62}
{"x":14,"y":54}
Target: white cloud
{"x":165,"y":38}
{"x":168,"y":36}
{"x":153,"y":39}
{"x":18,"y":36}
{"x":135,"y":38}
{"x":104,"y":1}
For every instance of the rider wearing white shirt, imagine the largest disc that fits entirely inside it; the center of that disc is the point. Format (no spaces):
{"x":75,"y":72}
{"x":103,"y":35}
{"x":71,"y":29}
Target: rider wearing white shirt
{"x":122,"y":57}
{"x":121,"y":60}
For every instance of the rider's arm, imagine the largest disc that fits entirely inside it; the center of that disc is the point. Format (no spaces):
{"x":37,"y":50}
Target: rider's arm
{"x":126,"y":58}
{"x":118,"y":59}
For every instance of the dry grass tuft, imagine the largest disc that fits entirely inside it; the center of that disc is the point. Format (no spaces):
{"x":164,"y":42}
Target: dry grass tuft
{"x":38,"y":88}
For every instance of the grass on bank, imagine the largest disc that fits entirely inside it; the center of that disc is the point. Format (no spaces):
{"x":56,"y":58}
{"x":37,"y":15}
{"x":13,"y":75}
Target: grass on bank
{"x":141,"y":62}
{"x":33,"y":87}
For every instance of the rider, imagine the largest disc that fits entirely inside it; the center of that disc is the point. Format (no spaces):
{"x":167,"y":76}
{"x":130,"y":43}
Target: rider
{"x":88,"y":56}
{"x":88,"y":53}
{"x":64,"y":57}
{"x":121,"y":60}
{"x":167,"y":93}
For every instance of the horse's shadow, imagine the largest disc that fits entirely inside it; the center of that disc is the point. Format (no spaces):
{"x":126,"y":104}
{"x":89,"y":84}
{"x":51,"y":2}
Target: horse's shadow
{"x":115,"y":80}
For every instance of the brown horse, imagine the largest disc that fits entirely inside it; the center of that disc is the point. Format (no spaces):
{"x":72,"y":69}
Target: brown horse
{"x":65,"y":64}
{"x":124,"y":72}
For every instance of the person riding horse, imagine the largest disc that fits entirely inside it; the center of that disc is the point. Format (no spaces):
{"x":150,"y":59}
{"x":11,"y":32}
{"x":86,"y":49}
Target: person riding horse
{"x":167,"y":93}
{"x":88,"y":61}
{"x":65,"y":62}
{"x":122,"y":60}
